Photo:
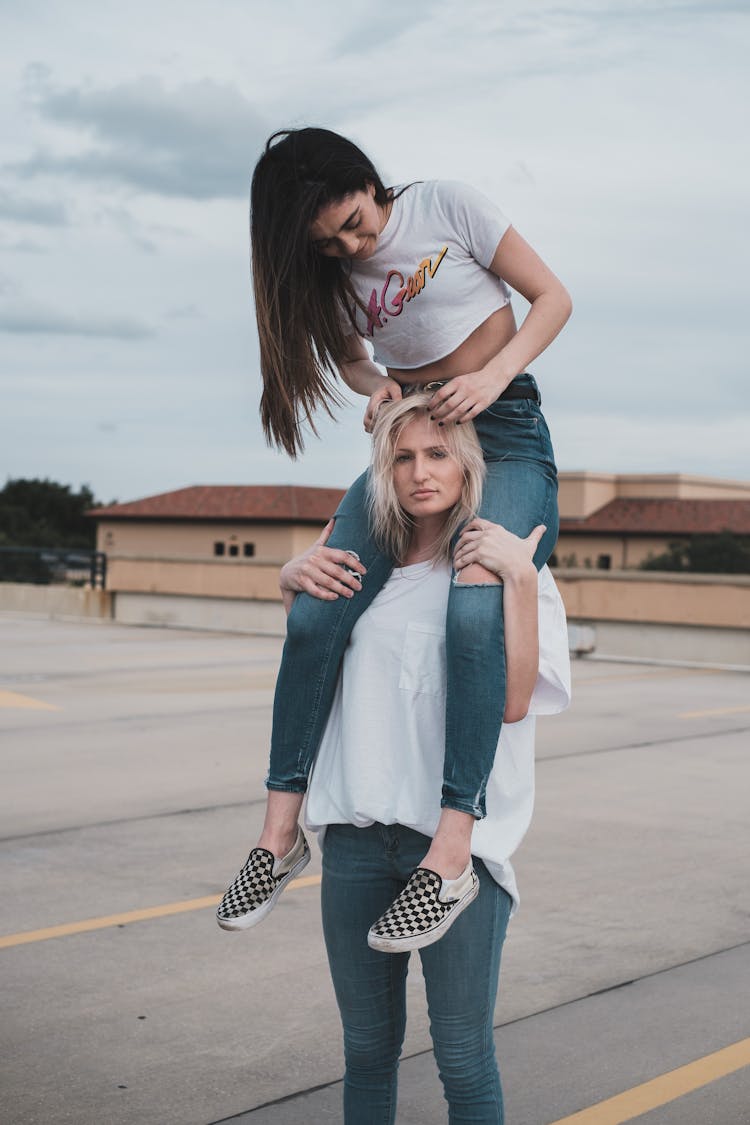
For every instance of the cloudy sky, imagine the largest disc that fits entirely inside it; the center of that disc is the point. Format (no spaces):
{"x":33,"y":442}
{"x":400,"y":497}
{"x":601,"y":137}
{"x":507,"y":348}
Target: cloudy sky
{"x":613,"y":133}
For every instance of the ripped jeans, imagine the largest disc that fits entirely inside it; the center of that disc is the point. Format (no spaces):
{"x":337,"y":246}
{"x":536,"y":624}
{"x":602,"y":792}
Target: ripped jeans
{"x":520,"y":491}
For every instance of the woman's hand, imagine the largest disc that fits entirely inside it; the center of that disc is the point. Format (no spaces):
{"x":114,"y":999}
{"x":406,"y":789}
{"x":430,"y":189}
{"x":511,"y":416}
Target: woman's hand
{"x":465,"y":396}
{"x":497,"y":549}
{"x":390,"y":391}
{"x":505,"y":554}
{"x":521,"y":267}
{"x":320,"y":572}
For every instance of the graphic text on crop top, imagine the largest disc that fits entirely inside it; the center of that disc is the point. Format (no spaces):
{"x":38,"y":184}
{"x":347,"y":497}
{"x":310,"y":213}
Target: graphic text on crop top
{"x":428,"y":283}
{"x":395,"y":291}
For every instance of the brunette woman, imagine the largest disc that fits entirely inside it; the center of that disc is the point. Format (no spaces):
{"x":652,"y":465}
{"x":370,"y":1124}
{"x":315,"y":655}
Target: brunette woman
{"x":422,"y":273}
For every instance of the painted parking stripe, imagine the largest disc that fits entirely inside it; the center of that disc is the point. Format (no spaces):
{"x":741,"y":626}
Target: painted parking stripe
{"x":666,"y":1088}
{"x":15,"y":699}
{"x":125,"y":919}
{"x":613,"y":1111}
{"x":716,"y":711}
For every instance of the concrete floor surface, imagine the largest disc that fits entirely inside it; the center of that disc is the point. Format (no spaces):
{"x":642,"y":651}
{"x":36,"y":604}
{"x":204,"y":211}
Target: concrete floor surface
{"x":133,"y":763}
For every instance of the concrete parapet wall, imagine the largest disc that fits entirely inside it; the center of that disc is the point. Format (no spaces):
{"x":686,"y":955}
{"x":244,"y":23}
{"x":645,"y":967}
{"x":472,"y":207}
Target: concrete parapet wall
{"x":694,"y":618}
{"x":595,"y":638}
{"x":226,"y":615}
{"x":220,"y":578}
{"x":61,"y":602}
{"x":716,"y":600}
{"x":721,"y":601}
{"x":668,"y":644}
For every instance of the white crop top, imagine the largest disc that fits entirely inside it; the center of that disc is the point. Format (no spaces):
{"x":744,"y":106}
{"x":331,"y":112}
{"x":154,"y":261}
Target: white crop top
{"x":428,"y":284}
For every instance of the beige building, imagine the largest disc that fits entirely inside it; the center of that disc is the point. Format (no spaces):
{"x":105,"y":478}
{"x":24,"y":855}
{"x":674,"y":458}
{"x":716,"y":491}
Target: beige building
{"x":265,"y":522}
{"x":209,"y":557}
{"x":616,"y":521}
{"x":211,"y":540}
{"x":230,"y":539}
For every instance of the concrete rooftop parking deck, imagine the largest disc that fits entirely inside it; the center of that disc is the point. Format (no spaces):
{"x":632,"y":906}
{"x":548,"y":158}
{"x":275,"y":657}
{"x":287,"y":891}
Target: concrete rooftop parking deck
{"x":132,"y":786}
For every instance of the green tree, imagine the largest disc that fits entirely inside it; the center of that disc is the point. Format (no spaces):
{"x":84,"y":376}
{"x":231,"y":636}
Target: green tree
{"x":43,"y":513}
{"x":723,"y":553}
{"x":674,"y":558}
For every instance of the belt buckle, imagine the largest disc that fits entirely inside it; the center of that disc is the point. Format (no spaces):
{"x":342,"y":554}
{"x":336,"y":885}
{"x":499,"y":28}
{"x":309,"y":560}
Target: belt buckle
{"x":418,"y":388}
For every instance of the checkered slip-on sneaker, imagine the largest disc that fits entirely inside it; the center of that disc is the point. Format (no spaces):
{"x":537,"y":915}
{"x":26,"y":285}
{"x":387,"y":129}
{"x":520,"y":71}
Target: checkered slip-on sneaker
{"x":424,"y":911}
{"x":255,"y":891}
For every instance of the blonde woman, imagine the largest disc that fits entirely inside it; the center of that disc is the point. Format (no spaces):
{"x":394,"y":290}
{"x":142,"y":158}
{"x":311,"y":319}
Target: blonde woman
{"x":376,"y":786}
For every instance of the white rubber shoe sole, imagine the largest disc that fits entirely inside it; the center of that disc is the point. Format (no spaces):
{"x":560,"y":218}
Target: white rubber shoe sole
{"x":256,"y":889}
{"x":424,"y":911}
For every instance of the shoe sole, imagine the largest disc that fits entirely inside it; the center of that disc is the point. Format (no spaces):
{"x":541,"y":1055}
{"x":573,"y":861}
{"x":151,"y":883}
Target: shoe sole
{"x":429,"y":937}
{"x":247,"y":921}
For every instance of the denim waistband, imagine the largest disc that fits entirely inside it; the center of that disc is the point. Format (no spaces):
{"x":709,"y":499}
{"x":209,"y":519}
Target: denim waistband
{"x":525,"y":381}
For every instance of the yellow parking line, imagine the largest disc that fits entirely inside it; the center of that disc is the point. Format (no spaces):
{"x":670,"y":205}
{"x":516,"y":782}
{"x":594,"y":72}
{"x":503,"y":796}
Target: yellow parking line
{"x":666,"y":1088}
{"x":130,"y":916}
{"x":715,"y":711}
{"x":15,"y":699}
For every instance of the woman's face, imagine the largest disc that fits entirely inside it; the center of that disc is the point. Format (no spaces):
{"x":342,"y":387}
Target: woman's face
{"x":349,"y":228}
{"x":427,"y":478}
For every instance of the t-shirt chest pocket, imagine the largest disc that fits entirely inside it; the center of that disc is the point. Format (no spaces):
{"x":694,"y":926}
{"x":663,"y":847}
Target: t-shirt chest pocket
{"x":423,"y":660}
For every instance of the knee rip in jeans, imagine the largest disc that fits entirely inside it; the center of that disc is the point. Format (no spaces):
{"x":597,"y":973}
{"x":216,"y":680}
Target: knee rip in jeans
{"x":476,"y":575}
{"x":349,"y":551}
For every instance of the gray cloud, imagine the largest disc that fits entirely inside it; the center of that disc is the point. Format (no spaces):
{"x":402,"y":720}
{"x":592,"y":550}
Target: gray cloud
{"x":32,"y":319}
{"x":634,"y":13}
{"x":607,"y":129}
{"x":184,"y":312}
{"x":382,"y":33}
{"x":198,"y":141}
{"x":24,"y":210}
{"x":24,"y":246}
{"x":128,"y":226}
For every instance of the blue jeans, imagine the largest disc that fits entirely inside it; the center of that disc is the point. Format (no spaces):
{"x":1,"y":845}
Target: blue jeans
{"x":520,"y":492}
{"x":363,"y":871}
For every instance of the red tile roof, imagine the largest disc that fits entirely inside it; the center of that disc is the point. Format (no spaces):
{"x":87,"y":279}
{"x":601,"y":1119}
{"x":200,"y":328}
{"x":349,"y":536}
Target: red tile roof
{"x":252,"y":502}
{"x":294,"y":503}
{"x":665,"y":517}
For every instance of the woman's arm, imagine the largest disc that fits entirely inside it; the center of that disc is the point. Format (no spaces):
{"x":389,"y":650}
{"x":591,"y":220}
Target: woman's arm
{"x":511,"y":558}
{"x":517,"y":263}
{"x":365,"y":377}
{"x":320,"y":571}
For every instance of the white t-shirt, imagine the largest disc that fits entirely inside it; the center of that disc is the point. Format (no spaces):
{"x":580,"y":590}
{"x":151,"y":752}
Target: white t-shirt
{"x":381,"y":757}
{"x":428,"y":284}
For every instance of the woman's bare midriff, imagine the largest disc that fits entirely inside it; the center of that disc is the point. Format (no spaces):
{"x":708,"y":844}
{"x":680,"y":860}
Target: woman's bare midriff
{"x":477,"y":349}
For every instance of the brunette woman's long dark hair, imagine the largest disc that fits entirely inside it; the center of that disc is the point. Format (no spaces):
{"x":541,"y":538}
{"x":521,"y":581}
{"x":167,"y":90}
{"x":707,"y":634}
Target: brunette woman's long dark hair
{"x":301,"y":295}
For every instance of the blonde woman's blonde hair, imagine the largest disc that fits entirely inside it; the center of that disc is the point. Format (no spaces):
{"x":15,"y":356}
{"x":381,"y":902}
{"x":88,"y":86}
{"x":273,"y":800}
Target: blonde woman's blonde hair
{"x":393,"y":527}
